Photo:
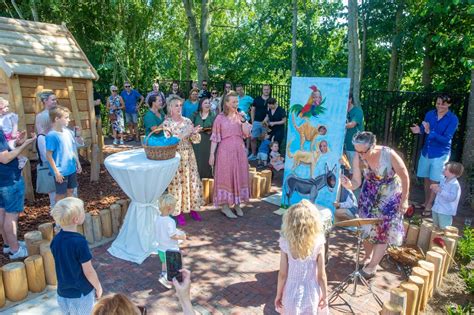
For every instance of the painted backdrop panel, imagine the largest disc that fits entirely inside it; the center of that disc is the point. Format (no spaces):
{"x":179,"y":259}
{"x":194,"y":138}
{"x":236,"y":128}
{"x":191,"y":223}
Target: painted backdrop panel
{"x":315,"y":139}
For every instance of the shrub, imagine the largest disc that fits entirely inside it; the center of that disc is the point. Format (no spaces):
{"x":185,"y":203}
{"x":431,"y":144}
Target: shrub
{"x":467,"y":275}
{"x":465,"y":251}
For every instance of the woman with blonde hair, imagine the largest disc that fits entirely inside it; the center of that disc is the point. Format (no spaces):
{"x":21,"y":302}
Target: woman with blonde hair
{"x":117,"y":304}
{"x":302,"y":283}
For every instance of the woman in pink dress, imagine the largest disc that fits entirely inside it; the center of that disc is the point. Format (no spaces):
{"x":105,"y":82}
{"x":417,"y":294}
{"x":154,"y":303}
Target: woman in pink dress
{"x":302,"y":283}
{"x":231,"y":173}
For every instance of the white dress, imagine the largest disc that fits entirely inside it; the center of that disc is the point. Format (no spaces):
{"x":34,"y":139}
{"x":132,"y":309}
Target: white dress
{"x":302,"y":290}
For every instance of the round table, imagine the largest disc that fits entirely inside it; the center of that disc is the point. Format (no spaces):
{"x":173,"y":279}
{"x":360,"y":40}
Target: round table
{"x":143,"y":181}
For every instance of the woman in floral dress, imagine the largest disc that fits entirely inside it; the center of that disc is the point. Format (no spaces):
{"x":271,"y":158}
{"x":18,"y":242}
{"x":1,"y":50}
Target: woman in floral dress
{"x":115,"y":107}
{"x":186,"y":186}
{"x":384,"y":196}
{"x":231,"y":173}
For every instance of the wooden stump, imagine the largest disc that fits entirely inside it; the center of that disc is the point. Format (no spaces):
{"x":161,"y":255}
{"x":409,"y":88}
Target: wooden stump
{"x":205,"y":190}
{"x":211,"y":190}
{"x":452,"y":229}
{"x":88,"y":228}
{"x":116,"y":213}
{"x":423,"y":274}
{"x":390,"y":308}
{"x":96,"y":227}
{"x":106,"y":220}
{"x":406,"y":225}
{"x":424,"y":236}
{"x":420,"y":284}
{"x":412,"y":235}
{"x":251,"y":179}
{"x":46,"y":230}
{"x":15,"y":281}
{"x":268,"y":180}
{"x":124,"y":208}
{"x":256,"y":187}
{"x":444,"y":257}
{"x":35,"y":273}
{"x":48,"y":263}
{"x":412,"y":296}
{"x":263,"y":185}
{"x":252,"y":169}
{"x":2,"y":291}
{"x":437,"y":260}
{"x":429,"y":267}
{"x":399,"y":297}
{"x":32,"y":240}
{"x":454,"y":237}
{"x":435,"y":233}
{"x":450,"y":245}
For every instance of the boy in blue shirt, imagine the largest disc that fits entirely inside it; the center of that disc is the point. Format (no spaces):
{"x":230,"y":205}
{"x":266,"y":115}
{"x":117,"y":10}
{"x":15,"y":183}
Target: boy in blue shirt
{"x":77,"y":278}
{"x":61,"y":153}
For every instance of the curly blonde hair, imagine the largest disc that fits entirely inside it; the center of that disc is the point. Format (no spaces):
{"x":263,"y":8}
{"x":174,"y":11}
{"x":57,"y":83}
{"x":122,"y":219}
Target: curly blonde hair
{"x":301,"y":227}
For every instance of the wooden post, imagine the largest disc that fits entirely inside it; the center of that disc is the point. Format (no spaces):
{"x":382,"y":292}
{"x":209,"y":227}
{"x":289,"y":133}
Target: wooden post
{"x":46,"y":230}
{"x":412,"y":297}
{"x":2,"y":292}
{"x":256,"y":187}
{"x":435,"y":233}
{"x":211,"y":190}
{"x":15,"y":281}
{"x":116,"y":213}
{"x":100,"y":140}
{"x":450,"y":245}
{"x":263,"y":185}
{"x":124,"y":208}
{"x":452,"y":229}
{"x":31,"y":239}
{"x":252,"y":169}
{"x":412,"y":235}
{"x":39,"y":88}
{"x":35,"y":273}
{"x":444,"y":261}
{"x":420,"y":284}
{"x":106,"y":220}
{"x":48,"y":263}
{"x":96,"y":227}
{"x":251,"y":178}
{"x":437,"y":260}
{"x":95,"y":164}
{"x":406,"y":225}
{"x":424,"y":236}
{"x":423,"y":274}
{"x":205,"y":190}
{"x":29,"y":191}
{"x":88,"y":228}
{"x":390,"y":308}
{"x":268,"y":180}
{"x":399,"y":297}
{"x":429,"y":267}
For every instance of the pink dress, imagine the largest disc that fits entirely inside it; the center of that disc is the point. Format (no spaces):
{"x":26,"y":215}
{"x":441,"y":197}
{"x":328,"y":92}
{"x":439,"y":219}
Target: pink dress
{"x":302,"y":290}
{"x":231,"y":173}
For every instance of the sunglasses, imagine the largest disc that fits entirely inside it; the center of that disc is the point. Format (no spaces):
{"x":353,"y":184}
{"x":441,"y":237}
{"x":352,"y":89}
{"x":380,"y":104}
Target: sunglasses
{"x":214,"y":93}
{"x":364,"y":152}
{"x":127,"y":86}
{"x":114,"y":90}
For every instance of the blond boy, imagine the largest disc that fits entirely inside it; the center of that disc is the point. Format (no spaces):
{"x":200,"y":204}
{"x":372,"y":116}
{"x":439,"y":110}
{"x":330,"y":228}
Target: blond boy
{"x":77,"y":278}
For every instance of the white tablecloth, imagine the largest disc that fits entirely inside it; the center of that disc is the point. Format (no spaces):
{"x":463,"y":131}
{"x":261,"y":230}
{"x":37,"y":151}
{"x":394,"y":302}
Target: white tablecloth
{"x":143,"y":181}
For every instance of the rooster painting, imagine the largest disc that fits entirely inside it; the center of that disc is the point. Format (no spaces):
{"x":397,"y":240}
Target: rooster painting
{"x":313,"y":106}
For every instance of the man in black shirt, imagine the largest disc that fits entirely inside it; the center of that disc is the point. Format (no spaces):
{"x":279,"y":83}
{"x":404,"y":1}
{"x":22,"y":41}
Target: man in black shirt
{"x":204,"y":93}
{"x":258,"y":112}
{"x":97,"y":103}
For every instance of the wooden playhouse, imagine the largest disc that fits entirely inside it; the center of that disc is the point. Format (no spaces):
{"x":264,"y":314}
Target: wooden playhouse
{"x":39,"y":56}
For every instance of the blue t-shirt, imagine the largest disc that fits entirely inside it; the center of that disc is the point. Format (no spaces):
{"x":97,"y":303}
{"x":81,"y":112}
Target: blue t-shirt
{"x":189,"y":108}
{"x":8,"y":172}
{"x":264,"y":146}
{"x":63,"y":146}
{"x":438,"y":141}
{"x":70,"y":251}
{"x":130,"y":100}
{"x":244,"y":105}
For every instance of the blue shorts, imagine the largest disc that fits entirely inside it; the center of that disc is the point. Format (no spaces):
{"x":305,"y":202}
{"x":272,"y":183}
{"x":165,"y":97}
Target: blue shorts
{"x":69,"y":182}
{"x":77,"y":306}
{"x":257,"y":129}
{"x":432,"y":168}
{"x":12,"y":198}
{"x":442,"y":220}
{"x":131,"y":118}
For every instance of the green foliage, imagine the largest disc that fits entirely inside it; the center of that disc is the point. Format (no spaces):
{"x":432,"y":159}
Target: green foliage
{"x":467,"y":275}
{"x":416,"y":220}
{"x":465,"y":250}
{"x":459,"y":309}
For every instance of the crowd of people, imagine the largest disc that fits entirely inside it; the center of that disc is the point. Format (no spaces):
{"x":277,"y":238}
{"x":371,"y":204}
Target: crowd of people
{"x":218,"y":136}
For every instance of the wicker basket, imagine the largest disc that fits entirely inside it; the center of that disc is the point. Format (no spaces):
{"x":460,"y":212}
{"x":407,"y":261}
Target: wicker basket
{"x":406,"y":254}
{"x":159,"y":153}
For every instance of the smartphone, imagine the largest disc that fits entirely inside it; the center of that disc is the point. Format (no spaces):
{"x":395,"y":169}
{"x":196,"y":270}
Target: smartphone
{"x":173,"y":265}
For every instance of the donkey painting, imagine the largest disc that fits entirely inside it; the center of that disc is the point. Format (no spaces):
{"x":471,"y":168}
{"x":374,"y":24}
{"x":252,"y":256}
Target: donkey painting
{"x":310,"y":187}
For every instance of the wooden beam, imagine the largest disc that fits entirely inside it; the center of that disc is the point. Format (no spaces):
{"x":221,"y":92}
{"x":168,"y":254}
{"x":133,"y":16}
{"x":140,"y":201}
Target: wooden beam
{"x":50,"y":71}
{"x":95,"y":163}
{"x":57,"y":61}
{"x":11,"y":100}
{"x":72,"y":99}
{"x":39,"y":88}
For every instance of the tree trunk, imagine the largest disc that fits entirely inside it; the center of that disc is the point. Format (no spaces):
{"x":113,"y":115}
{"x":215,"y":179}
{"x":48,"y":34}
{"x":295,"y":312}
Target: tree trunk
{"x":468,"y":151}
{"x":426,"y":77}
{"x":354,"y":51}
{"x":363,"y":55}
{"x":199,"y":39}
{"x":294,"y":28}
{"x":188,"y":59}
{"x":396,"y":40}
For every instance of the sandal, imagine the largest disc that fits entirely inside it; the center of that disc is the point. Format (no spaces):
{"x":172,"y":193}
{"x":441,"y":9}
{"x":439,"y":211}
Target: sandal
{"x":426,"y":213}
{"x":367,"y":275}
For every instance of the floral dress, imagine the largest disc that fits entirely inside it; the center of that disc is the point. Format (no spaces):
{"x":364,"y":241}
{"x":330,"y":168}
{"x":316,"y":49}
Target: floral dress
{"x":186,"y":186}
{"x":380,"y":197}
{"x":117,"y":125}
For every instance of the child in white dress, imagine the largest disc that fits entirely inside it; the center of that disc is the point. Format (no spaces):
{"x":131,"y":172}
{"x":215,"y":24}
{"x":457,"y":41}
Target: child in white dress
{"x":9,"y":125}
{"x":167,"y":235}
{"x":302,"y":283}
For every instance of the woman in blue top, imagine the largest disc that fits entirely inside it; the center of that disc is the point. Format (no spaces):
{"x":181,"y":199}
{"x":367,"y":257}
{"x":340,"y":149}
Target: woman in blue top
{"x":155,"y":116}
{"x":190,"y":106}
{"x":115,"y":107}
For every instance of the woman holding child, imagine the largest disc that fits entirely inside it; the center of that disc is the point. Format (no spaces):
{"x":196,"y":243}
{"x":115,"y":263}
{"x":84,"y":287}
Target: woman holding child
{"x":231,"y":176}
{"x":384,"y":195}
{"x":186,"y":186}
{"x":204,"y":117}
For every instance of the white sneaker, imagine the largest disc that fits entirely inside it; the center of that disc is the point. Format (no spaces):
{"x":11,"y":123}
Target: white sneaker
{"x":21,"y":253}
{"x":6,"y":248}
{"x":238,"y":210}
{"x":115,"y":142}
{"x":167,"y":284}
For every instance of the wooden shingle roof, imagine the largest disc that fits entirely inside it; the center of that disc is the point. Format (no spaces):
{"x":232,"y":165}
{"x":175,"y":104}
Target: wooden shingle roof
{"x":41,"y":49}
